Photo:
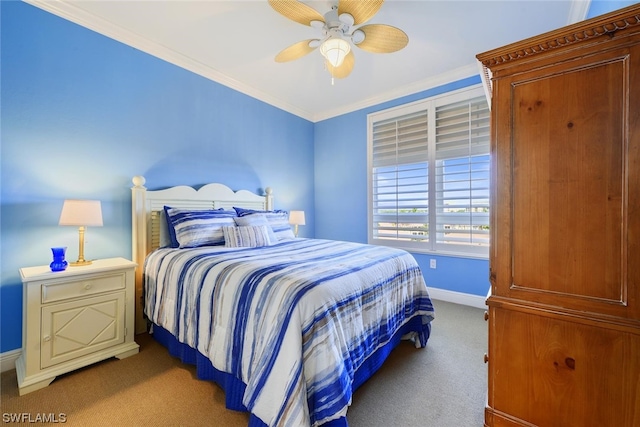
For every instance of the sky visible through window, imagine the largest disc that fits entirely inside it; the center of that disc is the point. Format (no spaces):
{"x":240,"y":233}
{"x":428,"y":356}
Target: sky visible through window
{"x":406,"y":187}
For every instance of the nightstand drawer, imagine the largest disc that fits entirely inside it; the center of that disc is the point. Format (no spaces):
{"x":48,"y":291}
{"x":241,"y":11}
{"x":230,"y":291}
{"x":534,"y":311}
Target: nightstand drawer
{"x":86,"y":286}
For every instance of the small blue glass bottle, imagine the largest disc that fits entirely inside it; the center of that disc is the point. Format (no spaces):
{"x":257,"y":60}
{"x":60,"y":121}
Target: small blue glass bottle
{"x":59,"y":263}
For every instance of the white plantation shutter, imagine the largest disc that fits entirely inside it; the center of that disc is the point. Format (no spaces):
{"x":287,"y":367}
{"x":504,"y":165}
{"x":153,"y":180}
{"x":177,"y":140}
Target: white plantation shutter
{"x":400,"y":173}
{"x":462,"y":174}
{"x":429,"y":175}
{"x":401,"y":140}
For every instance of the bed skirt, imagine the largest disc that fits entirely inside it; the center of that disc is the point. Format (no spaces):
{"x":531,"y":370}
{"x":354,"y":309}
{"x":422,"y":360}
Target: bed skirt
{"x":234,"y":387}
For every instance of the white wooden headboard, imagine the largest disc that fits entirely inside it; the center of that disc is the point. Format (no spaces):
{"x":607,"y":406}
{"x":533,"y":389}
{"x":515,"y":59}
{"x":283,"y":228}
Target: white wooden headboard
{"x":147,"y":217}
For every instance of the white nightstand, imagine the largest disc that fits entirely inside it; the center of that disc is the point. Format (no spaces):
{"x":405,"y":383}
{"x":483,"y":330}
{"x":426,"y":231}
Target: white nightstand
{"x":73,"y":318}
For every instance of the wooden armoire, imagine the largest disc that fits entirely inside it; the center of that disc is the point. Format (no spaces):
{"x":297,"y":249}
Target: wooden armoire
{"x":564,"y":307}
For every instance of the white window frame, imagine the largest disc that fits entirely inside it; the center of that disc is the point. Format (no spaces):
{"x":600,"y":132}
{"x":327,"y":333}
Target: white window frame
{"x":432,"y":246}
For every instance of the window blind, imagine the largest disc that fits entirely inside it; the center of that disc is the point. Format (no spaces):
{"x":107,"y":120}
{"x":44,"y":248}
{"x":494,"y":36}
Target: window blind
{"x":400,"y":168}
{"x":429,"y":175}
{"x":462,"y":174}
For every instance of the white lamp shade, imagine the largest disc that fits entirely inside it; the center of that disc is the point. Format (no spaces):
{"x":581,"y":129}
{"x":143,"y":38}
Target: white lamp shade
{"x":81,"y":213}
{"x":296,"y":217}
{"x":335,"y":50}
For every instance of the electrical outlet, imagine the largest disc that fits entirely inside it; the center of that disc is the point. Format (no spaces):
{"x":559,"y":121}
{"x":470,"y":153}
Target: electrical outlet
{"x":432,"y":263}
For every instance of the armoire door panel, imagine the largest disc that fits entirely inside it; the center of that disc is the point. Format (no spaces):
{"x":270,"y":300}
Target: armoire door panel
{"x":568,"y":186}
{"x":538,"y":362}
{"x":564,"y":160}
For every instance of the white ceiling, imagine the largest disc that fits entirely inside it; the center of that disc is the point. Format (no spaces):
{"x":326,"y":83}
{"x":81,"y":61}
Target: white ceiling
{"x":234,"y":43}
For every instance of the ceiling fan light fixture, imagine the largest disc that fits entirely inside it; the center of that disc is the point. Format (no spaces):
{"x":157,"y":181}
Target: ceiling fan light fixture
{"x":335,"y":50}
{"x":337,"y":32}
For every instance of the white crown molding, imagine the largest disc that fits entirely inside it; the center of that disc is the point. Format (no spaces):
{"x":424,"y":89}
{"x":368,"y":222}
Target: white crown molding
{"x":578,"y":11}
{"x":72,"y":13}
{"x":442,"y":79}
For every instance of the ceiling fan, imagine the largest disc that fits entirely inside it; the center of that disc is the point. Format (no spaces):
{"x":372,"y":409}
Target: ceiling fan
{"x":339,"y":28}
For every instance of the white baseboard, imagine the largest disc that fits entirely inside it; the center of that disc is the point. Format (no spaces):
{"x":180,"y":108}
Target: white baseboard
{"x":8,"y":359}
{"x":458,"y":298}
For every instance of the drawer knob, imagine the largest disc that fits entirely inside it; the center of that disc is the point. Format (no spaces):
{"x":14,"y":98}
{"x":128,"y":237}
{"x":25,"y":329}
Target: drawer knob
{"x":486,"y":315}
{"x":87,"y":286}
{"x":486,"y":358}
{"x":46,"y":338}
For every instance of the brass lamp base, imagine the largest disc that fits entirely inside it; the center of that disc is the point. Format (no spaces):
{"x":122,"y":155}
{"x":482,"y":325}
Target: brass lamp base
{"x":80,"y":261}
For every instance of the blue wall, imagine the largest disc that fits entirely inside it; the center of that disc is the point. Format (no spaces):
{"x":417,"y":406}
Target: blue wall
{"x":82,"y":114}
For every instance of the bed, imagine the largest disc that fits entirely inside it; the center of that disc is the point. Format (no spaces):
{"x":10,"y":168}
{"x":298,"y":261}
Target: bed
{"x":288,"y":327}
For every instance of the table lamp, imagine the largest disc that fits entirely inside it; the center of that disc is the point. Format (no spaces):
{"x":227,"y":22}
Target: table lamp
{"x":81,"y":213}
{"x":296,"y":218}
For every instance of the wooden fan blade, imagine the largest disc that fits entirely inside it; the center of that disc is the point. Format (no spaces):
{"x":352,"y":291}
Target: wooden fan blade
{"x":361,"y":10}
{"x":380,"y":38}
{"x":296,"y":11}
{"x":344,"y":69}
{"x":295,"y":51}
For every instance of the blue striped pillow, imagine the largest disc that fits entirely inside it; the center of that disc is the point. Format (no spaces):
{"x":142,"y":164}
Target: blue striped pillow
{"x":278,"y":220}
{"x":246,"y":236}
{"x":257,"y":219}
{"x":195,"y":228}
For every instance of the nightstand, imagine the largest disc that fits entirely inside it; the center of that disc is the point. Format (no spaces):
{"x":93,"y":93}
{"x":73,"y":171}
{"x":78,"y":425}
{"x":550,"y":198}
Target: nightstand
{"x":74,"y":318}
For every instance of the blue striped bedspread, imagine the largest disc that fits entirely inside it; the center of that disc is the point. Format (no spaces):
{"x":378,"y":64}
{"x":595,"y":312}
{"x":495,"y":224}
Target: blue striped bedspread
{"x":292,"y":321}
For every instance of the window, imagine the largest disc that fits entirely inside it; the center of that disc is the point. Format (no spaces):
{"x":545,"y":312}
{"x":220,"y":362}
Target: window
{"x":429,"y":175}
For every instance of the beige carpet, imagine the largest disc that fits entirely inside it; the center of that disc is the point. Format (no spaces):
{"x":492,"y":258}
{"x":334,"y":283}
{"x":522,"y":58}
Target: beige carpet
{"x":443,"y":385}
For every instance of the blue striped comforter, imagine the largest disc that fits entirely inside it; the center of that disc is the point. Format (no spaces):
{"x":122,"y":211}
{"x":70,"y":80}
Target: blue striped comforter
{"x":292,"y":321}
